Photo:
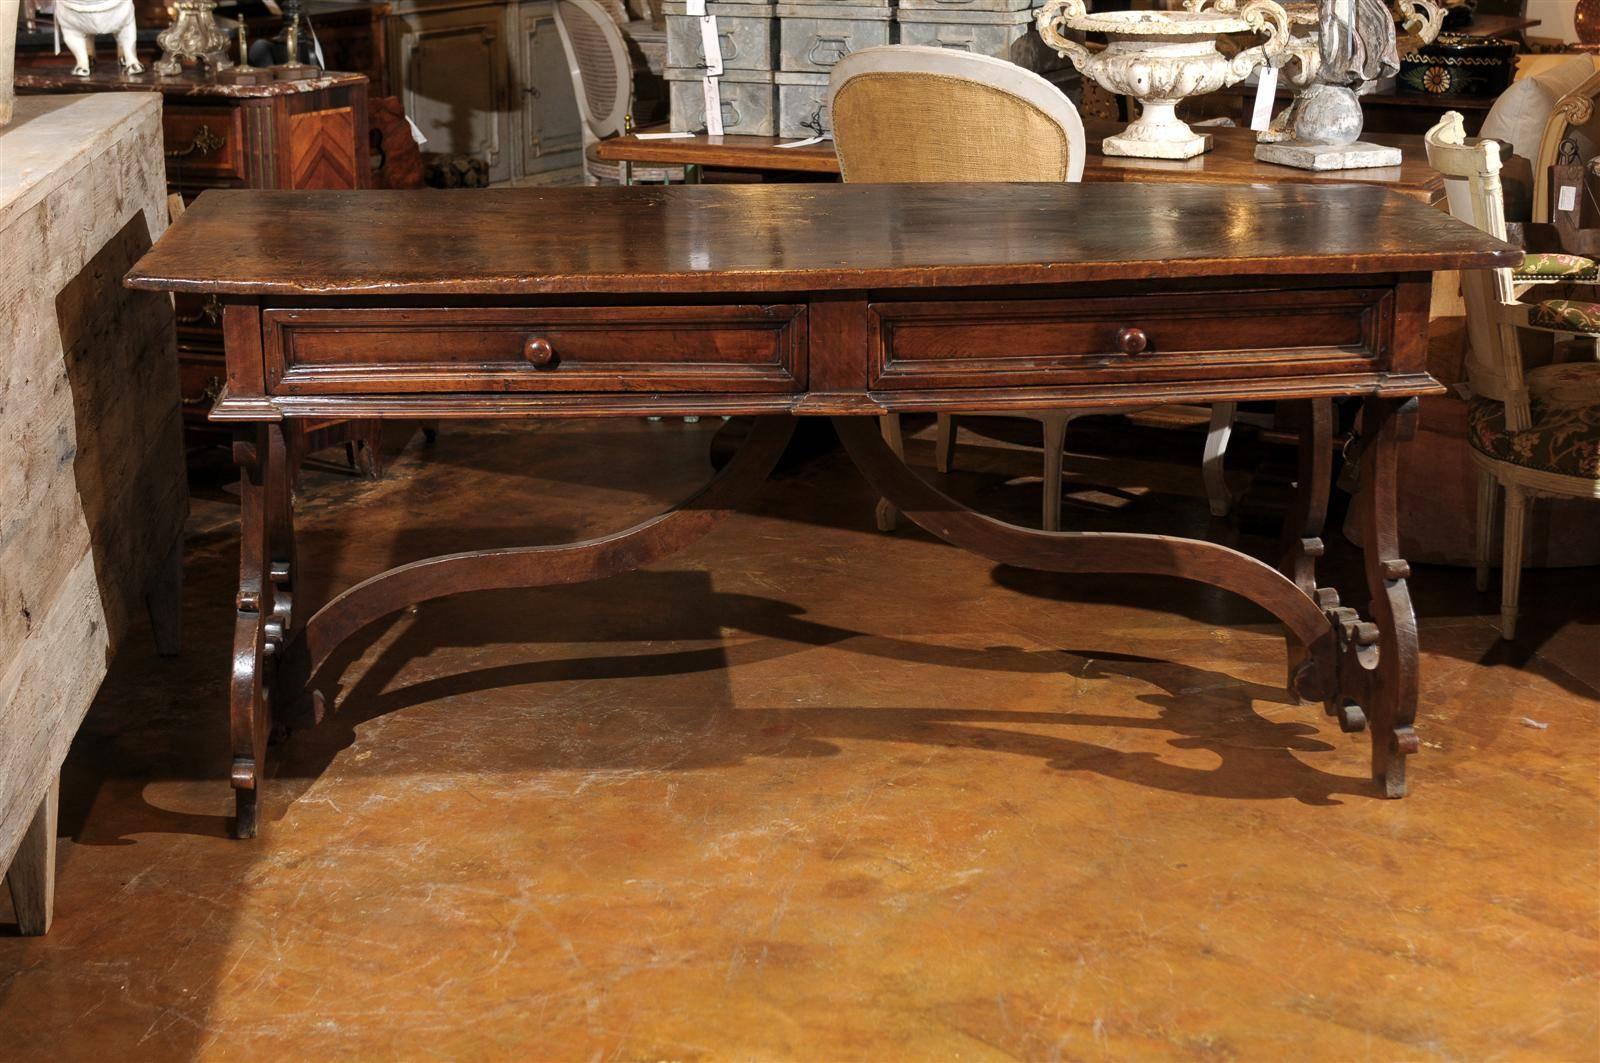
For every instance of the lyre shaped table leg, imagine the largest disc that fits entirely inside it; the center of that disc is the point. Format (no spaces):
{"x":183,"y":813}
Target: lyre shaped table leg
{"x":277,"y":650}
{"x":1392,"y":689}
{"x":261,"y":455}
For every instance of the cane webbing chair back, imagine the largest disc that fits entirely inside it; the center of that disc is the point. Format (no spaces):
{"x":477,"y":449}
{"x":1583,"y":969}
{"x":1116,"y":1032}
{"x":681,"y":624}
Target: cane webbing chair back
{"x":906,"y":113}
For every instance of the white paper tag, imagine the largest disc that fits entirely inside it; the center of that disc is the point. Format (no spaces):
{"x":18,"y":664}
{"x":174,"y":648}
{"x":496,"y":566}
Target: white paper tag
{"x":711,"y":44}
{"x":1569,"y":197}
{"x":695,"y":7}
{"x":713,"y":107}
{"x":806,"y":143}
{"x":416,"y":134}
{"x":661,"y":136}
{"x":1266,"y":96}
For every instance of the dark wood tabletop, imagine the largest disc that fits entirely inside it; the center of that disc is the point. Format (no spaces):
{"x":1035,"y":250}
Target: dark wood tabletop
{"x":1230,"y":161}
{"x":749,"y":238}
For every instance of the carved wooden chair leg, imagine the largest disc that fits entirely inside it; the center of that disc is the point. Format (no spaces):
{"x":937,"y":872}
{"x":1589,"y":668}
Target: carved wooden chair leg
{"x":164,"y":601}
{"x":1515,"y":535}
{"x":1055,"y":442}
{"x":885,"y":513}
{"x":944,"y":447}
{"x":32,"y":876}
{"x":1488,"y":497}
{"x":1212,"y":465}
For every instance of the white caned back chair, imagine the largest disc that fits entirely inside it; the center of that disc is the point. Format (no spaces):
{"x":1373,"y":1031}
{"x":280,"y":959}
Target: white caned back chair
{"x":602,"y":80}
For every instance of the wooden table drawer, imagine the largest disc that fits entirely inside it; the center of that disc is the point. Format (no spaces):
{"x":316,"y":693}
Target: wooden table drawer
{"x":204,"y":141}
{"x":745,"y":348}
{"x":1046,"y":342}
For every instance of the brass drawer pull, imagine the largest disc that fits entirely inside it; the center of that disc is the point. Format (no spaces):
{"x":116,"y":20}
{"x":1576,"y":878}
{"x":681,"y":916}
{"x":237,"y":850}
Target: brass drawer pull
{"x":1132,"y":341}
{"x":539,"y":353}
{"x":204,"y":143}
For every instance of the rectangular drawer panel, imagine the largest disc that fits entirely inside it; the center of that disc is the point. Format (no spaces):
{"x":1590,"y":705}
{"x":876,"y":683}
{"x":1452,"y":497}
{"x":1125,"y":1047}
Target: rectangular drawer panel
{"x":1044,"y":342}
{"x":203,"y":141}
{"x":745,"y":348}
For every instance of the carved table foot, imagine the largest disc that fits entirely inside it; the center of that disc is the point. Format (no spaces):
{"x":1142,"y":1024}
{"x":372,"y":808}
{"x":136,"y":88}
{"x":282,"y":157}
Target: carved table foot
{"x":1373,"y":686}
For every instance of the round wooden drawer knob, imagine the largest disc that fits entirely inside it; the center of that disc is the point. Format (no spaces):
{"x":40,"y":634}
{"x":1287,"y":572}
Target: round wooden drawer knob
{"x":1132,"y":341}
{"x":538,"y":352}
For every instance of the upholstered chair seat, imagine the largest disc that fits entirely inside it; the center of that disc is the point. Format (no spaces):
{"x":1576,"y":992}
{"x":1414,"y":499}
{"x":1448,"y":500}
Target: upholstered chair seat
{"x":1564,"y":437}
{"x":1566,"y":315}
{"x":1553,"y":266}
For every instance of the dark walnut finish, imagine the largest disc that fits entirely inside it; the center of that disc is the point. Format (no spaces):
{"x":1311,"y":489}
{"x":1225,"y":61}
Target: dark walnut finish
{"x":841,"y":300}
{"x":1231,"y":160}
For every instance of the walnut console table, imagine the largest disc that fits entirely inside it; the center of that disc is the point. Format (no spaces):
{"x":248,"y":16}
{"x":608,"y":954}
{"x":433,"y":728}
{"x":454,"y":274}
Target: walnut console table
{"x":845,"y":301}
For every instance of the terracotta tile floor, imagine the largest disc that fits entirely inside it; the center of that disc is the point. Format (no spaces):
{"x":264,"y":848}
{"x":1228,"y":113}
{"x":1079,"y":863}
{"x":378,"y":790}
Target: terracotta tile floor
{"x":810,"y":792}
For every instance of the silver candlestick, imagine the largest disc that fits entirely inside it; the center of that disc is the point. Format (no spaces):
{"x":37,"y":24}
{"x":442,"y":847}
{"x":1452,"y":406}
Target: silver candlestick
{"x":193,"y":35}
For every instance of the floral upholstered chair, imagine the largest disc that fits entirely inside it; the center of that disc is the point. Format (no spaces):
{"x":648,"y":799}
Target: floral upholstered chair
{"x":1546,"y":267}
{"x":1532,"y":432}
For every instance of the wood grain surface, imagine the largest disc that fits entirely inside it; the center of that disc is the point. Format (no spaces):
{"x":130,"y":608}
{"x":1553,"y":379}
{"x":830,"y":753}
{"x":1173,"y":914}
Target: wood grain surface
{"x":771,"y":238}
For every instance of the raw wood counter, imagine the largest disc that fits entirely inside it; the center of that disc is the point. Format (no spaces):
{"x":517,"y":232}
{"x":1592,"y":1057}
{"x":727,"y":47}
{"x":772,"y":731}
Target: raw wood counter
{"x":839,"y":300}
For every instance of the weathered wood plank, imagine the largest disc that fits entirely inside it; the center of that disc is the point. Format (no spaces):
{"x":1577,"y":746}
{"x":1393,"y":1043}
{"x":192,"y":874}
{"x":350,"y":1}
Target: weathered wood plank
{"x":92,"y":494}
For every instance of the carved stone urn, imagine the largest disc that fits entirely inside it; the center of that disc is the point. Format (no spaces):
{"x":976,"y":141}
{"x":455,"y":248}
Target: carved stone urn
{"x":1421,"y":19}
{"x":1321,"y":127}
{"x":1160,"y":58}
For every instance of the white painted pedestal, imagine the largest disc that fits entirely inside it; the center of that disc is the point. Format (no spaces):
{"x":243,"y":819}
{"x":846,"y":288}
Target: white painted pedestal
{"x":92,"y":489}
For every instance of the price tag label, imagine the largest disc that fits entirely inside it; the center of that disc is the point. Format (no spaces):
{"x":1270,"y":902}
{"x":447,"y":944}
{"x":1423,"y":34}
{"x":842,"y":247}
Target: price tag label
{"x":1568,"y":199}
{"x":711,"y":44}
{"x":806,"y":143}
{"x":713,"y":107}
{"x":1266,"y":95}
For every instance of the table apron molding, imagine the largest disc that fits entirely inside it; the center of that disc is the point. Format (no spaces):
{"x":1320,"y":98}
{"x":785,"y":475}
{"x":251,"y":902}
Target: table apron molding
{"x":231,"y":409}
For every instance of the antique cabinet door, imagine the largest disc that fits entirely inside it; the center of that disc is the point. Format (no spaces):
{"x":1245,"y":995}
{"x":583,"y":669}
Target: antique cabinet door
{"x":454,"y":71}
{"x":551,"y":135}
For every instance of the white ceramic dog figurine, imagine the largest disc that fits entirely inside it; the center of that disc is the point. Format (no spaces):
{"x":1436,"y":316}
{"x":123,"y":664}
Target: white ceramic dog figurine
{"x":79,"y":22}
